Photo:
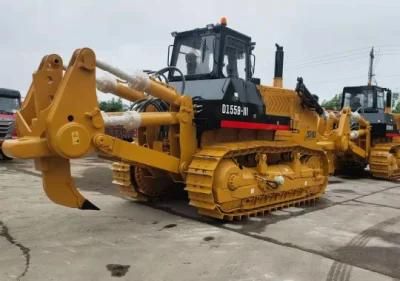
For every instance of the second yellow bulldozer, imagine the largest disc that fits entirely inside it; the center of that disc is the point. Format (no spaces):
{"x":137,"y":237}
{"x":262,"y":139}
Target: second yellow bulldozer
{"x":364,"y":133}
{"x":205,"y":123}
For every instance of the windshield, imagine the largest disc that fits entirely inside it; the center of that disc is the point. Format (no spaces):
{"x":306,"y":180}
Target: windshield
{"x":195,"y":55}
{"x":363,"y":99}
{"x":9,"y":105}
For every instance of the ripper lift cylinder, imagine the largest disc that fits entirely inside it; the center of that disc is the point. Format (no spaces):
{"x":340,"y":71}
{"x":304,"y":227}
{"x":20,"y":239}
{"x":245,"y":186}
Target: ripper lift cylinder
{"x":133,"y":120}
{"x":112,"y":86}
{"x":141,"y":82}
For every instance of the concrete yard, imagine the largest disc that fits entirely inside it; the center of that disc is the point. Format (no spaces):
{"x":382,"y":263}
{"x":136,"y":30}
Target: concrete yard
{"x":353,"y":233}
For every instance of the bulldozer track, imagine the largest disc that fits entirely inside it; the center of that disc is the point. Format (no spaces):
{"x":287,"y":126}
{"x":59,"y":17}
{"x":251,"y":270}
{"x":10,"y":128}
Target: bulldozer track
{"x":138,"y":184}
{"x":122,"y":179}
{"x":200,"y":175}
{"x":383,"y":162}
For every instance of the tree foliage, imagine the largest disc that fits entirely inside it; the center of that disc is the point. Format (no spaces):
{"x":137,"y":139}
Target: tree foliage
{"x":332,"y":104}
{"x":113,"y":105}
{"x":396,"y":109}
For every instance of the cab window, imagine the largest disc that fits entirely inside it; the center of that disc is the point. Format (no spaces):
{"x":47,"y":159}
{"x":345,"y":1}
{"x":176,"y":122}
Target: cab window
{"x":361,"y":100}
{"x":196,"y":55}
{"x":380,"y":102}
{"x":234,"y":60}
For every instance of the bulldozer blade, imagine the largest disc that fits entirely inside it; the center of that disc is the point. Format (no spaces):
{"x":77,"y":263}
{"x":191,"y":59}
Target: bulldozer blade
{"x":59,"y":184}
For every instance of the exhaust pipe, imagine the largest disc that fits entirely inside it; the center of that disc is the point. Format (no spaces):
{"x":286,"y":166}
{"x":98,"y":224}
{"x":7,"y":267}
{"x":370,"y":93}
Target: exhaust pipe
{"x":278,"y":80}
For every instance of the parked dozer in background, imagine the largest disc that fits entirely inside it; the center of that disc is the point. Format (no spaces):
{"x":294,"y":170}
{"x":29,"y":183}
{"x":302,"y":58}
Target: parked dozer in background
{"x":205,"y":123}
{"x":373,"y":105}
{"x":365,"y":131}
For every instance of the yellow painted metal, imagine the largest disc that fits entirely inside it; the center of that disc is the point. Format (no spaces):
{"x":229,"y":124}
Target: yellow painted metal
{"x":348,"y":149}
{"x":163,"y":92}
{"x":31,"y":118}
{"x":173,"y":141}
{"x":58,"y":184}
{"x":220,"y":188}
{"x":134,"y":153}
{"x":127,"y":93}
{"x":187,"y":133}
{"x":278,"y":82}
{"x":343,"y":144}
{"x":229,"y":173}
{"x":27,"y":148}
{"x":283,"y":102}
{"x":354,"y":148}
{"x":384,"y":161}
{"x":36,"y":121}
{"x":60,"y":120}
{"x":154,"y":118}
{"x":147,"y":136}
{"x":69,"y":128}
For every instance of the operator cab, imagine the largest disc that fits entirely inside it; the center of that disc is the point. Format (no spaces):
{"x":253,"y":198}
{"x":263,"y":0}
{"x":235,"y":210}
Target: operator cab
{"x":10,"y":101}
{"x":366,"y":99}
{"x":213,"y":52}
{"x":374,"y":104}
{"x":216,"y":67}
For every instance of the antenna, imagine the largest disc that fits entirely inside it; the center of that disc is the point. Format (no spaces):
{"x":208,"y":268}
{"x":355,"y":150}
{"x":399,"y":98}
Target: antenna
{"x":371,"y":66}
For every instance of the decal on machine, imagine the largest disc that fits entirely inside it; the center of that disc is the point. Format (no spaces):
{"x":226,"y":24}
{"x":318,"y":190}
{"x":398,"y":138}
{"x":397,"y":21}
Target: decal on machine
{"x":231,"y":109}
{"x":311,"y":134}
{"x":75,"y":137}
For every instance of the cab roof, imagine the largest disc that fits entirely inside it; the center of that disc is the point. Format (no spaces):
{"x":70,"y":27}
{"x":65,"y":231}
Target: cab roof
{"x":212,"y":29}
{"x":361,"y":88}
{"x":9,"y":93}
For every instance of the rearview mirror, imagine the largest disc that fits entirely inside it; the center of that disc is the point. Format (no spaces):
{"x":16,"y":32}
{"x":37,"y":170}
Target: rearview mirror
{"x":253,"y":64}
{"x":168,"y":55}
{"x":203,"y":50}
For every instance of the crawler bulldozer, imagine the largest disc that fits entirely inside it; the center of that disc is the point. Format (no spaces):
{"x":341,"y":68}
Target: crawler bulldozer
{"x":374,"y":104}
{"x":365,"y":132}
{"x":204,"y":123}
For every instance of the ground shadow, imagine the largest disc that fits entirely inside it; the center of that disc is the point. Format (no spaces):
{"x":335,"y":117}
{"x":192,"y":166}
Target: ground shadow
{"x":383,"y":259}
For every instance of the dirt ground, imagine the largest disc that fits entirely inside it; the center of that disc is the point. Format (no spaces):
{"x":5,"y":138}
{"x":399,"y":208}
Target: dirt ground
{"x":352,"y":233}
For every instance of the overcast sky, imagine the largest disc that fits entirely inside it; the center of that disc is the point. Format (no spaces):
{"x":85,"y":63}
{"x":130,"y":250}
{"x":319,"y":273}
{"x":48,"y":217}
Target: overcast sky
{"x":325,"y":42}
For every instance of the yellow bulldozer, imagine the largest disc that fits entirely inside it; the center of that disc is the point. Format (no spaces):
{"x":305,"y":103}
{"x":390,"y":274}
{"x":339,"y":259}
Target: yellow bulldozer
{"x":363,"y":135}
{"x":204,"y":122}
{"x":364,"y":132}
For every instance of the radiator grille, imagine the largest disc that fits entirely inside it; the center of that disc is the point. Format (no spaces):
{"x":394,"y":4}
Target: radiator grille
{"x":6,"y":127}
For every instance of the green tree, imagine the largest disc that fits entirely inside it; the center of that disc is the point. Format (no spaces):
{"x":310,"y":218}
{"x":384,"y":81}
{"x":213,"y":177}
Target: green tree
{"x":113,"y":105}
{"x":332,"y":104}
{"x":396,"y":109}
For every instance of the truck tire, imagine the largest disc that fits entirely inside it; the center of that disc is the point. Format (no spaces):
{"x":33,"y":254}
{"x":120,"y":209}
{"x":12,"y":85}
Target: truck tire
{"x":3,"y":156}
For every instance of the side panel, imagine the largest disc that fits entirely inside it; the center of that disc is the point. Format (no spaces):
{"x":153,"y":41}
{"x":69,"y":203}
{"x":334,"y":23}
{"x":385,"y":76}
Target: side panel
{"x":231,"y":103}
{"x":285,"y":103}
